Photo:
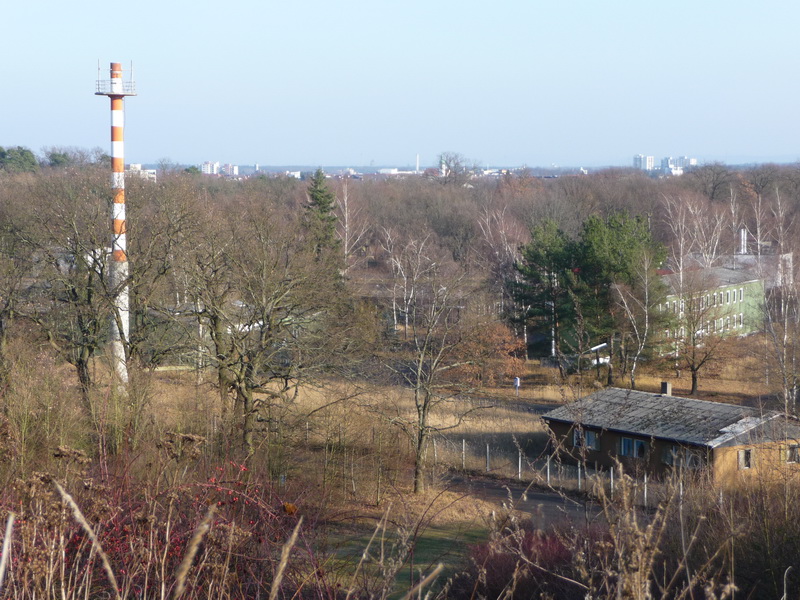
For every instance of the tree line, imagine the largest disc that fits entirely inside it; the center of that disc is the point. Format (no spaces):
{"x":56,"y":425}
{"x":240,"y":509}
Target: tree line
{"x":275,"y":283}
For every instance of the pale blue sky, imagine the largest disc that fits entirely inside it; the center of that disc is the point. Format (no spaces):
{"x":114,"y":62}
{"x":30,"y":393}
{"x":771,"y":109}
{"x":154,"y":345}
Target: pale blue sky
{"x":314,"y":82}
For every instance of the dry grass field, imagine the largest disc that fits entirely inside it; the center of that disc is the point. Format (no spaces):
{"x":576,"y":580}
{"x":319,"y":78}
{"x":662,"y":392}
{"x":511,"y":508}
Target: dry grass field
{"x":339,"y":454}
{"x":181,"y":399}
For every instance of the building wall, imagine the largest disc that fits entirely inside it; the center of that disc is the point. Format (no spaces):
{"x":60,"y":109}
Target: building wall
{"x":735,"y":309}
{"x":772,"y":462}
{"x":657,"y":460}
{"x":769,"y":463}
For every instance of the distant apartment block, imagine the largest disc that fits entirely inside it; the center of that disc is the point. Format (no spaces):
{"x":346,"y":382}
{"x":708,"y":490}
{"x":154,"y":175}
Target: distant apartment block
{"x":644,"y":163}
{"x":714,"y":300}
{"x":683,"y":162}
{"x":135,"y":170}
{"x":669,"y":165}
{"x":210,"y":168}
{"x":230,"y":170}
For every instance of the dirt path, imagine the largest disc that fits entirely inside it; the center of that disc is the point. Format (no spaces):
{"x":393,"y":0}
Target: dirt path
{"x":545,"y":508}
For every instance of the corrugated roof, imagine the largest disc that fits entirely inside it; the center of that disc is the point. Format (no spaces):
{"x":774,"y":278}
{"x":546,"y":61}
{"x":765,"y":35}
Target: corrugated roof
{"x":709,"y":278}
{"x":667,"y":417}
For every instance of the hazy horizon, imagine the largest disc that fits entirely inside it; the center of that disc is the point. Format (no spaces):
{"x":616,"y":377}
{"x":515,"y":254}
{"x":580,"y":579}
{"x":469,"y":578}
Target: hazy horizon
{"x":582,"y":84}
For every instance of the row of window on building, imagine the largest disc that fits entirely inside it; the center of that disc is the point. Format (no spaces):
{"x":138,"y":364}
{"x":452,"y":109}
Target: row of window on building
{"x":630,"y":447}
{"x":707,"y":301}
{"x":711,"y":326}
{"x":673,"y":455}
{"x":789,"y":454}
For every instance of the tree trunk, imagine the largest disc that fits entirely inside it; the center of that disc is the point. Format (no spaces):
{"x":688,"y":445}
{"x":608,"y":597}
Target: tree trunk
{"x":419,"y":461}
{"x":245,"y":400}
{"x":84,"y":381}
{"x":694,"y":383}
{"x":610,"y":379}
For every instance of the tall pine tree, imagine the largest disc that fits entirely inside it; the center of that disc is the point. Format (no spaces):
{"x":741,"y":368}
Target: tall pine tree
{"x":319,"y":218}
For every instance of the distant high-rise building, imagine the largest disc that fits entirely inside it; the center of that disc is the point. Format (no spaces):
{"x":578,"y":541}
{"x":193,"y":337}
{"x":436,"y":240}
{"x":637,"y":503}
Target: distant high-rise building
{"x":136,"y":170}
{"x":230,"y":170}
{"x":644,"y":163}
{"x":210,"y":168}
{"x":670,"y":167}
{"x":676,"y":166}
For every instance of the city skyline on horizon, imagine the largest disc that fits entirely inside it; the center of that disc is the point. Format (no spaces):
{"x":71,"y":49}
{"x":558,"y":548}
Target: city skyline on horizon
{"x":411,"y":166}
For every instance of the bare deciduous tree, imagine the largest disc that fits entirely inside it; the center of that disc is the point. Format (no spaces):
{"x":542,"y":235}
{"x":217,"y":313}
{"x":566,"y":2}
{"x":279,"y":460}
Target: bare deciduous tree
{"x":698,"y":330}
{"x":432,"y":350}
{"x":351,"y":227}
{"x":641,"y":319}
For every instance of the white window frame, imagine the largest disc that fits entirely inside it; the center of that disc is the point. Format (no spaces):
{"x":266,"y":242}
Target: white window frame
{"x":793,"y":453}
{"x":585,"y":438}
{"x":741,"y":294}
{"x":745,"y":459}
{"x":639,"y":448}
{"x":632,"y":447}
{"x":626,"y":446}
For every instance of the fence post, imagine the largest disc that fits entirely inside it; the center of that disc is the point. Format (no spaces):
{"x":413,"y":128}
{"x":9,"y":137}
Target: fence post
{"x":487,"y":457}
{"x":645,"y":490}
{"x":612,"y":483}
{"x":579,"y":477}
{"x":519,"y":465}
{"x":463,"y":454}
{"x":548,"y":471}
{"x":435,"y":453}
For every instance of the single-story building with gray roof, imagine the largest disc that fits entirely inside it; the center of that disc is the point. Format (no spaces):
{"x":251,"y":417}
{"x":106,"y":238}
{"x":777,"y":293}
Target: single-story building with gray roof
{"x":656,"y":432}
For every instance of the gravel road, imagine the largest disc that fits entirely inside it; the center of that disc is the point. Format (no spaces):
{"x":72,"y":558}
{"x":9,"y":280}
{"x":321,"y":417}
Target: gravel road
{"x":545,"y":508}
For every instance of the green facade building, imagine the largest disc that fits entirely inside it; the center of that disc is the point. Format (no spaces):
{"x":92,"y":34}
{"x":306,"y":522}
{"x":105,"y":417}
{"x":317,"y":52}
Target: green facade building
{"x":713,"y":301}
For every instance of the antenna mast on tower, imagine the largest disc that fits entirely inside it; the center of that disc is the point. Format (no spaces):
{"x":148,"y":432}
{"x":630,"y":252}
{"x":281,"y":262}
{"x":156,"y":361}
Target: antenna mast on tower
{"x":116,"y":89}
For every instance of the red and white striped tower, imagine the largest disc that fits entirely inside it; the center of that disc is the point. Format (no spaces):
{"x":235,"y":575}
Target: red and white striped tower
{"x":116,"y":89}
